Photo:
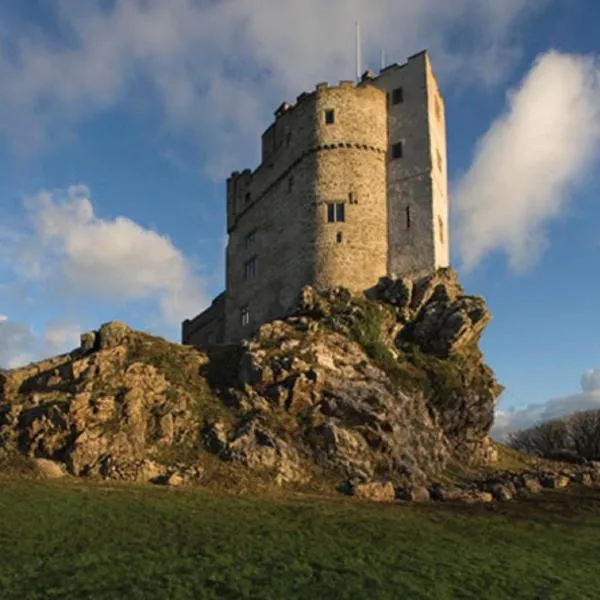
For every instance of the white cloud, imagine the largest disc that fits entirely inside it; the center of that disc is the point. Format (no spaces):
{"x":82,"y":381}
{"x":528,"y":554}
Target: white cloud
{"x":79,"y":255}
{"x":219,"y":68}
{"x":528,"y":163}
{"x":507,"y":421}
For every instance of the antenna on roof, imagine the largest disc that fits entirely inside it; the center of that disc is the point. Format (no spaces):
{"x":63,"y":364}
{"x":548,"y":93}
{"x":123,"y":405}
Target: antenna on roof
{"x":357,"y":51}
{"x":382,"y":59}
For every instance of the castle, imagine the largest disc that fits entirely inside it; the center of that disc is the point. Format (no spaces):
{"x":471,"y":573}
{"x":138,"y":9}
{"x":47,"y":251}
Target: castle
{"x":352,"y":186}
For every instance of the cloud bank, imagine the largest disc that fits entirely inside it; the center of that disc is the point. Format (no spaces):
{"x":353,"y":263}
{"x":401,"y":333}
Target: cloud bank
{"x":78,"y":255}
{"x":219,"y":68}
{"x":507,"y":421}
{"x":530,"y":160}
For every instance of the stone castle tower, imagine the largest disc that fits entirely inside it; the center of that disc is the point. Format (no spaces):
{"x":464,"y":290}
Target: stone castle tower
{"x":352,"y":186}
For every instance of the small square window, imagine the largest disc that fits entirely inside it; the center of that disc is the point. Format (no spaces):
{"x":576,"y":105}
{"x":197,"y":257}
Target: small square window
{"x":250,"y":269}
{"x":398,"y":96}
{"x":244,"y":316}
{"x":339,"y":212}
{"x":329,"y":116}
{"x":397,"y":150}
{"x":338,"y":237}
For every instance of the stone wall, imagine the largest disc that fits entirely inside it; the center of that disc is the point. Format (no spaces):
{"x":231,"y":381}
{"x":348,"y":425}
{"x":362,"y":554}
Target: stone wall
{"x":417,"y":191}
{"x":277,"y":216}
{"x":208,"y":327}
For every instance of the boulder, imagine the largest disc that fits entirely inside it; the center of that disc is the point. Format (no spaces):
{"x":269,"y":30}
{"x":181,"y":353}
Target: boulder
{"x":375,"y":491}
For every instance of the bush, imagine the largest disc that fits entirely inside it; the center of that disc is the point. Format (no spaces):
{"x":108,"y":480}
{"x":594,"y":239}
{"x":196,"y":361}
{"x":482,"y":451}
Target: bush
{"x":577,"y":435}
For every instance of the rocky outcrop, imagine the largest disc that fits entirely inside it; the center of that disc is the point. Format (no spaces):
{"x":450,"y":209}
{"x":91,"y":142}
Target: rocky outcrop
{"x":379,"y":391}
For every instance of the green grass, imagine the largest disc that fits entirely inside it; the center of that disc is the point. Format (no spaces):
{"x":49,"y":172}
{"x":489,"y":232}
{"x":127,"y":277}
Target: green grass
{"x":77,"y":540}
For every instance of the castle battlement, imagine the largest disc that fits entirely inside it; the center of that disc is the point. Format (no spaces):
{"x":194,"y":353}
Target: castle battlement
{"x":352,"y":186}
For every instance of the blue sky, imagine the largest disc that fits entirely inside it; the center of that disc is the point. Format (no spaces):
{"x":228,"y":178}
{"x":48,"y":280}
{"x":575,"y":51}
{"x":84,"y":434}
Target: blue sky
{"x":119,"y":122}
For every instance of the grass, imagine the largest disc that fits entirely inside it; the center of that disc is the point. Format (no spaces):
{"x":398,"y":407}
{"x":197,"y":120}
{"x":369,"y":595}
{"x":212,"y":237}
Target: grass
{"x":77,"y":540}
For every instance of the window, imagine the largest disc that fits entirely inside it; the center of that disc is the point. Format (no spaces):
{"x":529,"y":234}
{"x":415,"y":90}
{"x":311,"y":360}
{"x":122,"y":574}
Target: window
{"x":335,"y":212}
{"x":329,"y":116}
{"x":250,"y":269}
{"x":244,"y":316}
{"x":250,"y":239}
{"x":398,"y":96}
{"x":352,"y":198}
{"x":397,"y":150}
{"x":248,"y":197}
{"x":290,"y":184}
{"x":408,"y":217}
{"x":439,"y":159}
{"x":441,"y":229}
{"x":338,"y":237}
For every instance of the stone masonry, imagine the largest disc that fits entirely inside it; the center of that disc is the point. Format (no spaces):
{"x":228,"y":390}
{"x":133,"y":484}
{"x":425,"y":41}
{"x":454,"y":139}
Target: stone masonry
{"x":352,"y":186}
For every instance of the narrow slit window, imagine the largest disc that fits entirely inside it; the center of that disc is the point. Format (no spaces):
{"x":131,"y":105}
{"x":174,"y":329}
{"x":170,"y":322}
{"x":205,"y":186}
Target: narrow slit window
{"x":244,"y":315}
{"x":408,"y":217}
{"x":441,"y":229}
{"x":329,"y":116}
{"x":439,"y":159}
{"x":397,"y":150}
{"x":338,"y":237}
{"x":250,"y":269}
{"x":248,"y":197}
{"x":290,"y":184}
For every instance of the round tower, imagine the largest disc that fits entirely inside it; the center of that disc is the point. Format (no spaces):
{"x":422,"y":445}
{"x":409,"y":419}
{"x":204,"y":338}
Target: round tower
{"x":350,"y":186}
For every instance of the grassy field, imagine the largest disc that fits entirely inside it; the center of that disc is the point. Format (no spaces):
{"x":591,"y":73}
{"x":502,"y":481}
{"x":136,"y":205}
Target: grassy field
{"x":77,"y":540}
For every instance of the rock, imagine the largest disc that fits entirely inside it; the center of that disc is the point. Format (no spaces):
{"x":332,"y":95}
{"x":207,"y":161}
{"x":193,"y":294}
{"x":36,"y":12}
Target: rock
{"x":149,"y":471}
{"x":112,"y":334}
{"x":88,"y":341}
{"x":582,"y":478}
{"x":445,"y":494}
{"x":417,"y":493}
{"x":476,"y":496}
{"x":531,"y":484}
{"x":176,"y":480}
{"x":501,"y":492}
{"x":554,"y":481}
{"x":48,"y":469}
{"x":375,"y":491}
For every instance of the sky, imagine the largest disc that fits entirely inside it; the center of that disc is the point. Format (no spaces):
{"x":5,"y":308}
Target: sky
{"x":121,"y":119}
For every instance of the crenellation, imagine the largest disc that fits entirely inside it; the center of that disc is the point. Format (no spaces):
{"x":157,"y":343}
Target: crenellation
{"x":352,"y":186}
